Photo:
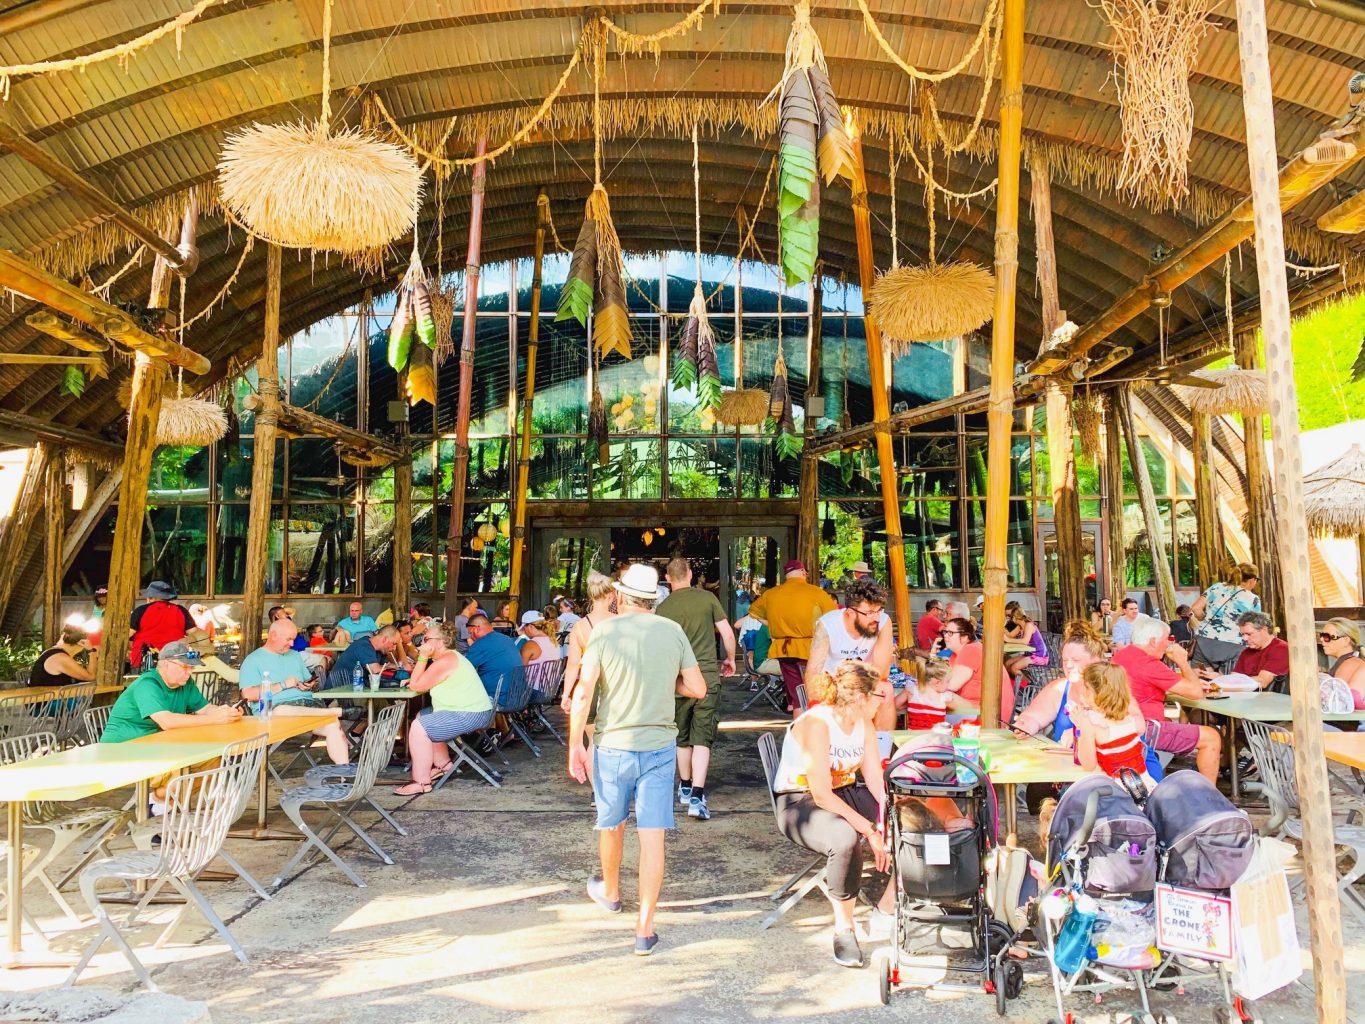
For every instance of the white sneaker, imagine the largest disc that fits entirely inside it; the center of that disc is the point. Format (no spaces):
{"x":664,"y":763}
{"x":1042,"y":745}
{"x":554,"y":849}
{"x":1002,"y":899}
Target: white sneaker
{"x":880,"y":926}
{"x":156,"y":807}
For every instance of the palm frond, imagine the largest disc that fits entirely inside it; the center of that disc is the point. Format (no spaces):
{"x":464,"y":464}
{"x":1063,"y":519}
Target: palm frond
{"x":798,"y":195}
{"x":835,"y":150}
{"x":575,"y":300}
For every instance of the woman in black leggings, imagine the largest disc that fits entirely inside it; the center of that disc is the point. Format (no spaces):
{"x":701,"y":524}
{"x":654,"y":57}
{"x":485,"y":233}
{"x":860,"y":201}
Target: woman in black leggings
{"x":822,"y":806}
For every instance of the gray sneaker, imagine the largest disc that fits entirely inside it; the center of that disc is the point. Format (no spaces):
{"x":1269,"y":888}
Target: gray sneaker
{"x":847,"y":952}
{"x":696,"y":808}
{"x":684,"y":794}
{"x":597,"y":893}
{"x":644,"y":944}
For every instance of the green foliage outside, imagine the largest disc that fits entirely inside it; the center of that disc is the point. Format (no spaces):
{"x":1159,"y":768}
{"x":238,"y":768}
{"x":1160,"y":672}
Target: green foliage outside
{"x":18,"y":653}
{"x":1326,"y":343}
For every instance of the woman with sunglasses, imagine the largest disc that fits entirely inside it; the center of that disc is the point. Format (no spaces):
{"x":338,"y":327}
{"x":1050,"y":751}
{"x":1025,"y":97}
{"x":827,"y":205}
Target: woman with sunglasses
{"x":1340,"y":641}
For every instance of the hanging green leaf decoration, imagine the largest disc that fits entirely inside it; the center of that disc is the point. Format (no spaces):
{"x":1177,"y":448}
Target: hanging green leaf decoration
{"x":425,"y":319}
{"x":708,"y":368}
{"x":575,"y":300}
{"x":788,"y":443}
{"x":798,"y":197}
{"x":401,"y":331}
{"x":685,"y":358}
{"x":73,"y":381}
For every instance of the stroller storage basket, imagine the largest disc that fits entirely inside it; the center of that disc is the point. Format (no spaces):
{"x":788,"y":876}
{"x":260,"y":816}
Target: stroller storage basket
{"x":1119,"y":851}
{"x":1206,"y":842}
{"x":959,"y":879}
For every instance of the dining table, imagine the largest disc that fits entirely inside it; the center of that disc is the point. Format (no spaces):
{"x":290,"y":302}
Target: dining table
{"x":78,"y":774}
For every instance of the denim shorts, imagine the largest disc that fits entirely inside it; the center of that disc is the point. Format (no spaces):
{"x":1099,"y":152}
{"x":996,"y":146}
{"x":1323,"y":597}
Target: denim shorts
{"x":620,"y":776}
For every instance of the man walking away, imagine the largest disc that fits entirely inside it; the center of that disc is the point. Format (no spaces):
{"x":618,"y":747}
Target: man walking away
{"x":790,"y":610}
{"x":701,"y":617}
{"x":639,"y":661}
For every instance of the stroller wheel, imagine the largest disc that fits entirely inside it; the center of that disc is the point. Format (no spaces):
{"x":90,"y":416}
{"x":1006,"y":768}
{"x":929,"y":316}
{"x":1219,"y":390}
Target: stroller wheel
{"x":884,"y":976}
{"x":998,"y":976}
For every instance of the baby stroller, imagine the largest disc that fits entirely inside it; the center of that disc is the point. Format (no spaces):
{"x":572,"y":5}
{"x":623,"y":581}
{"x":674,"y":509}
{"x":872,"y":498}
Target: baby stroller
{"x":1206,"y":844}
{"x":1101,"y":844}
{"x":940,"y":877}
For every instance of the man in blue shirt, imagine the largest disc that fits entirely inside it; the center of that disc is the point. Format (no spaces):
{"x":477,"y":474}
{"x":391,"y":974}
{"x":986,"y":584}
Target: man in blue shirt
{"x":367,"y":652}
{"x":356,"y":627}
{"x":281,"y":668}
{"x":494,"y":654}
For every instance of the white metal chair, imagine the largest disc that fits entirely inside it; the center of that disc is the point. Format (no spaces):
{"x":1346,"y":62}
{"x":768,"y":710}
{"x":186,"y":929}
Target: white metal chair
{"x":26,"y":713}
{"x":812,"y":876}
{"x":67,"y":824}
{"x":343,"y":798}
{"x":94,"y":720}
{"x":771,"y":688}
{"x":1273,"y":749}
{"x":546,"y":679}
{"x":200,"y":807}
{"x":30,"y":855}
{"x":511,"y":700}
{"x":215,"y":688}
{"x":65,"y":716}
{"x":802,"y":701}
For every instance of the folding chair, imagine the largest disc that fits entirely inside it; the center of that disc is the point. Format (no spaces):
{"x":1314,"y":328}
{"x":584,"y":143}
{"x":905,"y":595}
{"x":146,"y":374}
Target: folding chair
{"x":512,"y":698}
{"x":546,"y":679}
{"x":812,"y":876}
{"x":215,"y":688}
{"x":462,"y":755}
{"x":68,"y":825}
{"x":94,"y":720}
{"x":199,"y":809}
{"x":65,"y":716}
{"x":26,"y":713}
{"x":772,"y":689}
{"x":801,"y":701}
{"x":342,"y":799}
{"x":1273,"y":748}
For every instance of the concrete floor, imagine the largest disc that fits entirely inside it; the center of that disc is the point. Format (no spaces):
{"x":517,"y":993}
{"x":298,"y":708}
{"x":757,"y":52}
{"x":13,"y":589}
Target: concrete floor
{"x":483,"y":918}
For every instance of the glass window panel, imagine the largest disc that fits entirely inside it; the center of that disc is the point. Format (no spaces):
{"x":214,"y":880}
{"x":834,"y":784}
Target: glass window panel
{"x":316,"y":473}
{"x":231,"y":567}
{"x":554,"y":271}
{"x":762,"y":474}
{"x":179,"y":473}
{"x":977,"y":460}
{"x":378,"y":548}
{"x":488,"y":396}
{"x":632,"y":471}
{"x":1019,"y":543}
{"x":846,"y":529}
{"x":718,"y":282}
{"x":1156,"y":467}
{"x":927,"y":465}
{"x":423,"y":471}
{"x":642,"y":283}
{"x":559,"y":467}
{"x":427,"y":548}
{"x":932,"y":544}
{"x":843,"y":371}
{"x":485,"y":570}
{"x":1187,"y":545}
{"x":1138,"y":557}
{"x":561,"y":399}
{"x":631,"y":388}
{"x":1090,"y":509}
{"x":850,"y":474}
{"x":322,"y":549}
{"x":834,"y":296}
{"x":924,"y":373}
{"x":761,"y":287}
{"x":323,"y":367}
{"x":701,"y":467}
{"x":379,"y":484}
{"x":489,"y":470}
{"x":175,"y":547}
{"x":495,"y":282}
{"x":234,"y":470}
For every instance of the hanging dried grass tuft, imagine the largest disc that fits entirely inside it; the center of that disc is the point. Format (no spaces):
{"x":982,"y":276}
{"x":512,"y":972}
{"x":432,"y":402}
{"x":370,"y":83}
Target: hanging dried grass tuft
{"x":1240,"y":391}
{"x":931,"y":303}
{"x":1156,"y":48}
{"x":443,"y":300}
{"x":1087,"y":415}
{"x":743,"y":407}
{"x":190,"y":421}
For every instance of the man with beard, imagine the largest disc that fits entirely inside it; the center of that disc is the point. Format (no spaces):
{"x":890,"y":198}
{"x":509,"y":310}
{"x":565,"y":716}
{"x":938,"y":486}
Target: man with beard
{"x":860,"y":631}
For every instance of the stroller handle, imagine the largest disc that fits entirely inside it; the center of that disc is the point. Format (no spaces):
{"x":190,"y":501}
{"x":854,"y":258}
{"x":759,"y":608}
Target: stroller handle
{"x":937,"y":759}
{"x":1092,"y":811}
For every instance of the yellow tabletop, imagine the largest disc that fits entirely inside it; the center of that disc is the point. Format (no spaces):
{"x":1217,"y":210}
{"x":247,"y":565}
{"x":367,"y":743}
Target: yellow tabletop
{"x":89,"y":771}
{"x":1016,"y":762}
{"x":1017,"y":647}
{"x":1262,"y":706}
{"x":34,"y":691}
{"x":281,"y":727}
{"x":349,"y":693}
{"x":1347,"y":748}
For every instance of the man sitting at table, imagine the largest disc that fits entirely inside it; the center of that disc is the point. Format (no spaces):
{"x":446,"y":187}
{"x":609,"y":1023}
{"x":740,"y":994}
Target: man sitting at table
{"x":492,"y":654}
{"x":291,"y":685}
{"x":1266,"y":657}
{"x":355,"y":627}
{"x":1150,"y":681}
{"x":163,"y":698}
{"x":369,"y":652}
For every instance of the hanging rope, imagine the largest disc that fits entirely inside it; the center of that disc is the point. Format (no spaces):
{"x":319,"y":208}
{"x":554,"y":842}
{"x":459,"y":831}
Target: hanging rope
{"x":134,"y":260}
{"x":208,"y":309}
{"x":1227,"y":299}
{"x":121,"y":52}
{"x":928,"y":76}
{"x":325,"y":121}
{"x":894,"y":167}
{"x":696,"y":198}
{"x":599,"y":59}
{"x":633,"y":42}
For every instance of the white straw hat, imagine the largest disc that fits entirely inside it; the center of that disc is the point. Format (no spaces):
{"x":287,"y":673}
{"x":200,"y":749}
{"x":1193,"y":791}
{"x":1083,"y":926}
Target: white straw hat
{"x":640,"y":581}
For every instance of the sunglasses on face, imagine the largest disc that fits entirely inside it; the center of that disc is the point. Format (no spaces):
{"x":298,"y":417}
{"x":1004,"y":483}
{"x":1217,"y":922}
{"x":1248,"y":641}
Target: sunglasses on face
{"x":1327,"y":638}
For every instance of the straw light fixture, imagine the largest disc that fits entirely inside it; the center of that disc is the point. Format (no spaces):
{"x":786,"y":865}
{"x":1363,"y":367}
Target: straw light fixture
{"x":1240,"y":391}
{"x":304,"y":186}
{"x":1334,"y":502}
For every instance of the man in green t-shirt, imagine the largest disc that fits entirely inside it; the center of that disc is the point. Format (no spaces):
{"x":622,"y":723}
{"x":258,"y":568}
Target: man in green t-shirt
{"x":701,"y":618}
{"x":637,"y":661}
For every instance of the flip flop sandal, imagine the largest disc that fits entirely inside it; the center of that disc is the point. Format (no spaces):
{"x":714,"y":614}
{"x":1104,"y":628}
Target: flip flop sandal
{"x":422,"y":789}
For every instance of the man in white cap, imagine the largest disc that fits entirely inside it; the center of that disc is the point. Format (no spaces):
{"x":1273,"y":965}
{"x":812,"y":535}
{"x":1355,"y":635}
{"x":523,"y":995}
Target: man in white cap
{"x":635,"y":662}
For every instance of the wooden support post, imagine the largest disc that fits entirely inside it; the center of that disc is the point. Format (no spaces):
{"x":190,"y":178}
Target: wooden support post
{"x":152,"y":359}
{"x":1000,"y":412}
{"x":1208,"y":523}
{"x":1260,"y":494}
{"x":402,"y":538}
{"x":356,"y":446}
{"x":881,"y":408}
{"x":28,"y":508}
{"x":459,"y":476}
{"x":55,"y":521}
{"x":265,"y":430}
{"x":1315,"y":799}
{"x":1116,"y":551}
{"x":518,"y":566}
{"x":1151,"y":520}
{"x":1061,"y":448}
{"x":808,"y":522}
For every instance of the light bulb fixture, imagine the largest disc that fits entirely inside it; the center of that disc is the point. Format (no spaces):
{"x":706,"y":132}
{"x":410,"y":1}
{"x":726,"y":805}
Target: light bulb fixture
{"x":487,"y":532}
{"x":476,"y":545}
{"x":647,"y":537}
{"x":660,"y":530}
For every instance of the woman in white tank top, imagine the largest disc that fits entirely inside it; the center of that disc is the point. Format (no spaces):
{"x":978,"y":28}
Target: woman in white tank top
{"x":820,"y":803}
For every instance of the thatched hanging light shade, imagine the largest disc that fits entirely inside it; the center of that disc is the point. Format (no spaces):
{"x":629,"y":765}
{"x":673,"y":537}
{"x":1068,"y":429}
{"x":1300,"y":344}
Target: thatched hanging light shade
{"x":304,"y":186}
{"x":931,"y":303}
{"x":184,"y":420}
{"x":1334,"y":502}
{"x":1240,"y":391}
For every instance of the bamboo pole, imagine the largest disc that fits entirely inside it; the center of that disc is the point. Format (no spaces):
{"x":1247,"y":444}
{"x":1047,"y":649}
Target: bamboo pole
{"x":1260,"y":498}
{"x":1209,"y":526}
{"x":54,"y":524}
{"x":1151,"y":520}
{"x":1000,"y":412}
{"x":881,"y":405}
{"x":357,"y":447}
{"x":15,"y":530}
{"x":151,"y":362}
{"x":527,"y":407}
{"x":1115,"y":549}
{"x":402,"y":538}
{"x":265,"y":431}
{"x":1066,"y":505}
{"x":459,"y":476}
{"x":808,"y":520}
{"x":1315,"y":799}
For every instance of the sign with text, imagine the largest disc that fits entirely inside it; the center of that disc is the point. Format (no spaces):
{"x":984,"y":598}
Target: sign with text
{"x":1194,"y":923}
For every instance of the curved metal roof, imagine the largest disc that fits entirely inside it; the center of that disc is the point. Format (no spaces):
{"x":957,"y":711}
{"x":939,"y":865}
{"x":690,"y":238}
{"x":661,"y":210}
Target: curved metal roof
{"x":151,"y":130}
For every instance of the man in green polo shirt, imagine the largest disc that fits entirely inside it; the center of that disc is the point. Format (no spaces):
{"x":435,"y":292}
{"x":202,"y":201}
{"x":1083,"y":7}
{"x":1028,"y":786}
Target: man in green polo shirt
{"x":163,"y":699}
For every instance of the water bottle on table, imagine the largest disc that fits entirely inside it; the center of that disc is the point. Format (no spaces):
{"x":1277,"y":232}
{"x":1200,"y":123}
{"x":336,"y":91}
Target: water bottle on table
{"x":263,"y":705}
{"x":358,"y":678}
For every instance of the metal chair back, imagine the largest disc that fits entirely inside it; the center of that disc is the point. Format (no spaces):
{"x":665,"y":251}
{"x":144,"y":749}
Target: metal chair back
{"x":514,"y":693}
{"x":67,"y":713}
{"x":25,"y":747}
{"x":801,"y":699}
{"x":201,"y":806}
{"x":249,"y":753}
{"x":769,"y":754}
{"x":94,"y":720}
{"x":1054,"y":651}
{"x":1273,"y":748}
{"x":546,"y":679}
{"x":215,"y":688}
{"x":25,"y":713}
{"x":377,"y":747}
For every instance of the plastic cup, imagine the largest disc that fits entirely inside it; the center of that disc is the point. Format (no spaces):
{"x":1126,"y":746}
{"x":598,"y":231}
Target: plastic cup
{"x":374,"y":681}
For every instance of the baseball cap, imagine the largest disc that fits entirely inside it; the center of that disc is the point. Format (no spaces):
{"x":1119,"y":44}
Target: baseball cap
{"x":793,"y":566}
{"x":532,"y":617}
{"x":178,"y":650}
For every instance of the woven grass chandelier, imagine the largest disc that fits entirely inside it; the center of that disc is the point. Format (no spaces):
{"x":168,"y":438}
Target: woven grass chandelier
{"x":305,"y":186}
{"x":1240,"y":391}
{"x":184,"y":420}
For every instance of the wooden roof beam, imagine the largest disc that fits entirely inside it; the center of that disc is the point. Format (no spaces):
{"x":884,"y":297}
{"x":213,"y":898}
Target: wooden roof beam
{"x":30,"y":427}
{"x":293,"y":420}
{"x":17,"y":274}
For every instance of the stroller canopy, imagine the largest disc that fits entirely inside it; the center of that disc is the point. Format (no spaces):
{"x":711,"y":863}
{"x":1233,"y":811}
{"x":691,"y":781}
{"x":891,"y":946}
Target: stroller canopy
{"x":1121,"y":847}
{"x":1205,"y":841}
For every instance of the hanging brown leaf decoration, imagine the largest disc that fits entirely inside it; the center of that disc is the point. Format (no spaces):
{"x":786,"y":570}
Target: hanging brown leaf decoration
{"x":685,"y":358}
{"x":421,"y":382}
{"x":779,"y":395}
{"x":575,"y":300}
{"x":611,"y":319}
{"x":597,"y":426}
{"x":835,"y":149}
{"x":708,"y":368}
